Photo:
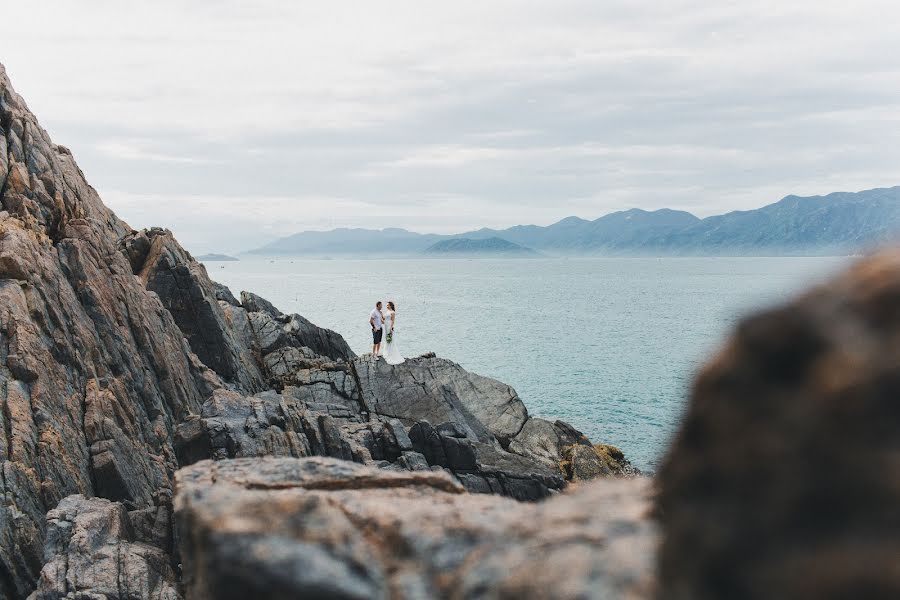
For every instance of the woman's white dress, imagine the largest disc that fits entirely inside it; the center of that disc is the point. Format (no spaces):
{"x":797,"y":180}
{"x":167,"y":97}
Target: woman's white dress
{"x":389,"y":349}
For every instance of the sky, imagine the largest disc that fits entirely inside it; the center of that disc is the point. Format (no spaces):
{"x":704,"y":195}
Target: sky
{"x":234,"y":123}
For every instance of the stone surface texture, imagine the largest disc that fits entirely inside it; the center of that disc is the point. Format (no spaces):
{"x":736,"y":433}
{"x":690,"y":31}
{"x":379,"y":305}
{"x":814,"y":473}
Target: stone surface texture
{"x":90,"y":552}
{"x":323,"y":528}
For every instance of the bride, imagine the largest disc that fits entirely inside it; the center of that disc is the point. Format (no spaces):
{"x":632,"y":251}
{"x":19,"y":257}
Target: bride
{"x":390,"y":351}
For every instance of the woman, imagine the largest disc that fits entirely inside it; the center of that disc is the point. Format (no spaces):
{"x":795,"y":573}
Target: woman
{"x":389,"y":350}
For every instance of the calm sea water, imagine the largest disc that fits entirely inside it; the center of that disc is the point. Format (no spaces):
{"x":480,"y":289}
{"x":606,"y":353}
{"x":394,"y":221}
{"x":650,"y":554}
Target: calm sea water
{"x":609,"y":345}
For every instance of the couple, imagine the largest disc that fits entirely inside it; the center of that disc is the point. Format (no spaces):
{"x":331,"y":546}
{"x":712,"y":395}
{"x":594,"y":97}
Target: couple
{"x":383,"y":325}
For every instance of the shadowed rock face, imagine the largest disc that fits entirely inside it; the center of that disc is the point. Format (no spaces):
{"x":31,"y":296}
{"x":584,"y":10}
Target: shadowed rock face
{"x":189,"y":295}
{"x":286,"y":528}
{"x":783,"y":481}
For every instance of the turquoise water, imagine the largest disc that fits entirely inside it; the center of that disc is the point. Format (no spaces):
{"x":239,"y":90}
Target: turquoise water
{"x":609,"y":345}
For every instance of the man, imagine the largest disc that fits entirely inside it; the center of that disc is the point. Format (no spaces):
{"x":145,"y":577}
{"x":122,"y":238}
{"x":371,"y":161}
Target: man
{"x":376,"y":320}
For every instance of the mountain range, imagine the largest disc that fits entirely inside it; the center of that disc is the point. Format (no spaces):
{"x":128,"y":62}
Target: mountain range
{"x":838,"y":223}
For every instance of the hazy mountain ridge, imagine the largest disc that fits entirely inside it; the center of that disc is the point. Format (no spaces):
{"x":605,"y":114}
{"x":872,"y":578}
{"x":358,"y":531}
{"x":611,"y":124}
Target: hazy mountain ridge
{"x":477,"y":247}
{"x":841,"y":222}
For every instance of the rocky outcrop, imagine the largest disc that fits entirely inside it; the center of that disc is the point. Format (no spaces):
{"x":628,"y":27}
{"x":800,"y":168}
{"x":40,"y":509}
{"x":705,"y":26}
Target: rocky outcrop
{"x":439,"y":391}
{"x":783,"y":480}
{"x":294,"y":331}
{"x":94,"y":372}
{"x":91,"y":552}
{"x":284,"y":528}
{"x":324,"y":416}
{"x":286,"y":424}
{"x":184,"y":288}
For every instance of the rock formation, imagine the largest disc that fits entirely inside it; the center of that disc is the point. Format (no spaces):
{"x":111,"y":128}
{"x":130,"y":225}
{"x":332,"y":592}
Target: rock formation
{"x":91,"y":550}
{"x":324,"y":528}
{"x":783,"y":481}
{"x":121,"y":361}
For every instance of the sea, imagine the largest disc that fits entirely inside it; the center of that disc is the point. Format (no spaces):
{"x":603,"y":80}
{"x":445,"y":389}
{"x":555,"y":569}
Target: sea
{"x":610,"y":345}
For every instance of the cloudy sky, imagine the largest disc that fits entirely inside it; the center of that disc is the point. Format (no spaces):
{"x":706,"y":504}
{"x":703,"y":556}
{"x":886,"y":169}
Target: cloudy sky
{"x":235,"y":122}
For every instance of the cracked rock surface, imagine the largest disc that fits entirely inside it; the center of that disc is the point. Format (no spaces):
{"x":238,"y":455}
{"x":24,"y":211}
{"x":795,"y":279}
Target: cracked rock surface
{"x":318,"y":527}
{"x":90,"y":552}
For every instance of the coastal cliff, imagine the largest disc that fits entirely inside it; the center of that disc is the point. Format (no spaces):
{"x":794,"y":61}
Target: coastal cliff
{"x":122,"y":362}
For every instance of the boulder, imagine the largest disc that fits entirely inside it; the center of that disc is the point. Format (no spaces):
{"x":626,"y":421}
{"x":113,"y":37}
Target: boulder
{"x":545,"y":442}
{"x":582,"y":462}
{"x":439,"y":391}
{"x":782,"y":481}
{"x":90,"y":552}
{"x":278,"y":528}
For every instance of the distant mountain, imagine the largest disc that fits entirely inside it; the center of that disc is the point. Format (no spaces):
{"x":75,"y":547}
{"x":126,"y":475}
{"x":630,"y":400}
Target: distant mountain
{"x":480,"y":248}
{"x":217,"y":258}
{"x":839,"y":223}
{"x":842,"y":222}
{"x":356,"y":242}
{"x":623,"y":230}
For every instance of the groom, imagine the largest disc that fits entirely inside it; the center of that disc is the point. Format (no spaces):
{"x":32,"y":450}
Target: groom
{"x":376,"y":320}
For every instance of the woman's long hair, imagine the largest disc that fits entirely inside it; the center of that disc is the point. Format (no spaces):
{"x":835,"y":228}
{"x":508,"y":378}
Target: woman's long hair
{"x":392,"y":306}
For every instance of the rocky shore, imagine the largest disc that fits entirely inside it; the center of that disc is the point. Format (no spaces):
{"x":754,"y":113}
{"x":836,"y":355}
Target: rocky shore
{"x":163,"y":439}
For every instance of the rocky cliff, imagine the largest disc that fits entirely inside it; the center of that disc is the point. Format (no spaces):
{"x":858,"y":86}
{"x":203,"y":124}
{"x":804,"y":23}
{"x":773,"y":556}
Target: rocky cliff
{"x":121,"y":362}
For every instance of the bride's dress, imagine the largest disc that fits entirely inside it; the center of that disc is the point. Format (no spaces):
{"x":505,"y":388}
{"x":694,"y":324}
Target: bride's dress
{"x":389,"y":349}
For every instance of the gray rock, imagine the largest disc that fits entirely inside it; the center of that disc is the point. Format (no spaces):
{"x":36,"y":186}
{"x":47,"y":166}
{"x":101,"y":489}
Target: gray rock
{"x":90,"y":553}
{"x":187,"y":292}
{"x":294,"y":331}
{"x":566,"y":451}
{"x":440,"y":391}
{"x":276,"y":528}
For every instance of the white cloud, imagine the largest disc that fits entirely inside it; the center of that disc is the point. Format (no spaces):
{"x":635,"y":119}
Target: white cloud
{"x":436,"y":115}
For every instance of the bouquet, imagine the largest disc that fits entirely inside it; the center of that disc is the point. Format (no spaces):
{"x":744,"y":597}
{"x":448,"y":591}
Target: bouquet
{"x":390,"y":337}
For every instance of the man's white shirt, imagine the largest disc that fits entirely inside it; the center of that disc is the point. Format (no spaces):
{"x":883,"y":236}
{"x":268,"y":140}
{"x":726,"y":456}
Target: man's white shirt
{"x":375,"y":315}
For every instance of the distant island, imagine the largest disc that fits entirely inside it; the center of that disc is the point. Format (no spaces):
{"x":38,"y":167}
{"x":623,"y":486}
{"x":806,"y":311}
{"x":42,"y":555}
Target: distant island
{"x":836,"y":224}
{"x":217,"y":258}
{"x":493,"y":247}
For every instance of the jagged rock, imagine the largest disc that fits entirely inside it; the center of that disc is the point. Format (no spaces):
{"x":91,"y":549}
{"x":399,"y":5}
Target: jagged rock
{"x":277,"y":528}
{"x":482,"y":468}
{"x":223,"y":294}
{"x":94,"y":372}
{"x":90,"y":552}
{"x":440,"y":391}
{"x":186,"y":291}
{"x":581,"y":462}
{"x":544,"y":442}
{"x":782,"y":481}
{"x":294,"y":331}
{"x":454,"y":452}
{"x":288,"y":424}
